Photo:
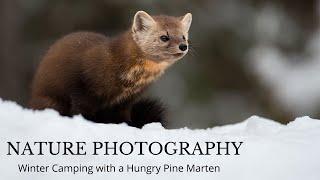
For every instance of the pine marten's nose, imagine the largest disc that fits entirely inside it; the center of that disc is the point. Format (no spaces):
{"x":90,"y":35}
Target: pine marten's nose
{"x":183,"y":47}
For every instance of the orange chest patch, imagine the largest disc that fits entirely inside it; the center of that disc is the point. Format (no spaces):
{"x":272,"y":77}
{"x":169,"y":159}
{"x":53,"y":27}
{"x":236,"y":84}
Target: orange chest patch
{"x":151,"y":66}
{"x":151,"y":71}
{"x":139,"y":76}
{"x":146,"y":72}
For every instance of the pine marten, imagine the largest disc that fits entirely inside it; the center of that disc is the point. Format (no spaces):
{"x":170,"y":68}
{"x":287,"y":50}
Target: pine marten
{"x":103,"y":78}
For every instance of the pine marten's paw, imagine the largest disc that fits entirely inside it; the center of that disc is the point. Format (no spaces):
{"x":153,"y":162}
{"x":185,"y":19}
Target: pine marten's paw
{"x":147,"y":111}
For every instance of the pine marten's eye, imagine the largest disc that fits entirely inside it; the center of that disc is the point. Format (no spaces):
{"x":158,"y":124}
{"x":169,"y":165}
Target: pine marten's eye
{"x":164,"y":38}
{"x":183,"y":37}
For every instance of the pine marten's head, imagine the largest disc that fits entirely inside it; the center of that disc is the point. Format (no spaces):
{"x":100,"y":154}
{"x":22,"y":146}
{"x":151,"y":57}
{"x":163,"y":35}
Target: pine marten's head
{"x":162,"y":38}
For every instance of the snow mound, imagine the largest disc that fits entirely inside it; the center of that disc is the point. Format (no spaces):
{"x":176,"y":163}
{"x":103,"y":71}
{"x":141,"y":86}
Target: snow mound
{"x":269,"y":151}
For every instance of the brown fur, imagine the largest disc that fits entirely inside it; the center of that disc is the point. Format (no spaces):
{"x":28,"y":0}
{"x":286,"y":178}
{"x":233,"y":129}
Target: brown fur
{"x":87,"y":73}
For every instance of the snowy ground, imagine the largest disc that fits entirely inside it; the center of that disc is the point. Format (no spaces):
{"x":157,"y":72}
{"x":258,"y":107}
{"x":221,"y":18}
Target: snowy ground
{"x":270,"y":150}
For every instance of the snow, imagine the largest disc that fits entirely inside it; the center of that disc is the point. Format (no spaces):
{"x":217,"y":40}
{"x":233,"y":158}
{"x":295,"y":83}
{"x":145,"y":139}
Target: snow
{"x":269,"y":151}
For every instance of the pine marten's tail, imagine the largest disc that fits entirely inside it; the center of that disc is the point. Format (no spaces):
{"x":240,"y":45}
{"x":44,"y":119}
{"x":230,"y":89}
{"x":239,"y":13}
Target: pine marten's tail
{"x":147,"y":111}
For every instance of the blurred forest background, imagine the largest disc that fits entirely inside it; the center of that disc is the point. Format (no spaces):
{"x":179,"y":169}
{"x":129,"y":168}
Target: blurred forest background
{"x":251,"y":57}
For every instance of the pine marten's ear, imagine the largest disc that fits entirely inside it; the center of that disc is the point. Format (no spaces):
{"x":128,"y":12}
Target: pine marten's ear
{"x":142,"y":21}
{"x":186,"y":21}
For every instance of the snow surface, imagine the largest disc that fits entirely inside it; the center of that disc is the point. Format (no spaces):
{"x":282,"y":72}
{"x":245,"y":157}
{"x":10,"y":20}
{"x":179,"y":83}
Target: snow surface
{"x":270,"y":150}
